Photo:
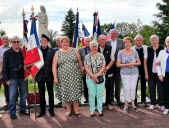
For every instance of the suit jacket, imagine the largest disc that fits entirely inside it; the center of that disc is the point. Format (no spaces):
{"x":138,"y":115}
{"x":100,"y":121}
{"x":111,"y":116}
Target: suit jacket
{"x":83,"y":53}
{"x":45,"y":73}
{"x":119,"y":47}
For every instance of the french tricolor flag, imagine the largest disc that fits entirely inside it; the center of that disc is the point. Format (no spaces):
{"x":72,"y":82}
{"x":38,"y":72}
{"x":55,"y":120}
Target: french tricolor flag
{"x":85,"y":33}
{"x":34,"y":58}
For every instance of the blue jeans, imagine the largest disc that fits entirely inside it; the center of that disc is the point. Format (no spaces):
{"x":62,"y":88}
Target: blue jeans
{"x":13,"y":87}
{"x":95,"y":90}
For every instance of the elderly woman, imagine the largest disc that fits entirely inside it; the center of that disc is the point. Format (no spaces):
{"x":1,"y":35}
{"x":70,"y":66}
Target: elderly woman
{"x":67,"y":71}
{"x":163,"y":73}
{"x":151,"y":73}
{"x":94,"y":65}
{"x":128,"y":60}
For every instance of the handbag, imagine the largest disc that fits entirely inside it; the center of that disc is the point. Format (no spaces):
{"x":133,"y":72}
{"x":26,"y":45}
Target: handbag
{"x":99,"y":78}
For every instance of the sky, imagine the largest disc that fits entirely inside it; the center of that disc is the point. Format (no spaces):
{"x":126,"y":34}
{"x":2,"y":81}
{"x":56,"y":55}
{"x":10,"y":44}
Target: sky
{"x":109,"y":11}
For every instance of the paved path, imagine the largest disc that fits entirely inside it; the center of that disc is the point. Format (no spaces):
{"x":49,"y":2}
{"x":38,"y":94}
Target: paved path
{"x":111,"y":119}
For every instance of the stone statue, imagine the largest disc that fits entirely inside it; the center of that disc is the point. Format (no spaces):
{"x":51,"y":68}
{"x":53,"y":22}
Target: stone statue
{"x":43,"y":22}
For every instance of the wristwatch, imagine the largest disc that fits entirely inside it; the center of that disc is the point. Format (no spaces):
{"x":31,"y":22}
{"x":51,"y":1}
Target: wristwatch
{"x":107,"y":68}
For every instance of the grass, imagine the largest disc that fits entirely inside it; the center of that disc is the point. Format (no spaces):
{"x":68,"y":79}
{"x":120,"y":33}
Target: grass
{"x":31,"y":88}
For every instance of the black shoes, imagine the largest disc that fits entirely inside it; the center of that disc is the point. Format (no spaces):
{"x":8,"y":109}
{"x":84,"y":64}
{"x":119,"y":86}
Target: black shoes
{"x":92,"y":115}
{"x":41,"y":114}
{"x":100,"y":114}
{"x":86,"y":102}
{"x":13,"y":116}
{"x":144,"y":104}
{"x":24,"y":113}
{"x":119,"y":102}
{"x":52,"y":114}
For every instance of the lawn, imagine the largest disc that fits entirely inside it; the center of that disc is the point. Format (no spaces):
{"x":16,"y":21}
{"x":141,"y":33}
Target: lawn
{"x":31,"y":88}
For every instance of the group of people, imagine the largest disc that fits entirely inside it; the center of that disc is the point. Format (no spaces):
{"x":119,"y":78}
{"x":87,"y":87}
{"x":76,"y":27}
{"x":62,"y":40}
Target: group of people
{"x":88,"y":70}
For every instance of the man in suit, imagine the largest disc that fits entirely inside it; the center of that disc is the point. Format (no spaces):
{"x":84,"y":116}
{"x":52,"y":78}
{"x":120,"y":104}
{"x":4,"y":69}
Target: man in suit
{"x":117,"y":45}
{"x":142,"y":52}
{"x":106,"y":50}
{"x":45,"y":76}
{"x":83,"y":52}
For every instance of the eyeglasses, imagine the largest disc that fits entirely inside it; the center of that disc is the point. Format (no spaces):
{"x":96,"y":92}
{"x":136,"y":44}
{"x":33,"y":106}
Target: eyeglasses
{"x":16,"y":41}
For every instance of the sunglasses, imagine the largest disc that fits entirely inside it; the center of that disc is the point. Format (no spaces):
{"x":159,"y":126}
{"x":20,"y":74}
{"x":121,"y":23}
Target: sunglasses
{"x":16,"y":41}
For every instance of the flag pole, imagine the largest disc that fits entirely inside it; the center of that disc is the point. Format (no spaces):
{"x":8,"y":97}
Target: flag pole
{"x":32,"y":9}
{"x":23,"y":16}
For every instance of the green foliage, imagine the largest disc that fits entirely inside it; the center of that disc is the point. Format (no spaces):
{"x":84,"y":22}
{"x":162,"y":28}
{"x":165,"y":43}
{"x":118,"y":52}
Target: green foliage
{"x":2,"y":90}
{"x":146,"y":32}
{"x":53,"y":43}
{"x":106,"y":28}
{"x":31,"y":87}
{"x":126,"y":29}
{"x":162,"y":23}
{"x":131,"y":30}
{"x":52,"y":36}
{"x":2,"y":32}
{"x":69,"y":24}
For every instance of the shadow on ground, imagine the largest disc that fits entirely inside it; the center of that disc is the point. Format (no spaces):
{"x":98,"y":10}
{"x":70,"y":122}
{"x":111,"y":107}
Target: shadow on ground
{"x":111,"y":119}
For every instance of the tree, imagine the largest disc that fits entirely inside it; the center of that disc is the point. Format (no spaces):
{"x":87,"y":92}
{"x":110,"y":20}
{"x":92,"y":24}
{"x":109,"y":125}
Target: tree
{"x":132,"y":29}
{"x":124,"y":28}
{"x":52,"y":36}
{"x":2,"y":32}
{"x":162,"y":23}
{"x":69,"y":24}
{"x":106,"y":28}
{"x":146,"y":31}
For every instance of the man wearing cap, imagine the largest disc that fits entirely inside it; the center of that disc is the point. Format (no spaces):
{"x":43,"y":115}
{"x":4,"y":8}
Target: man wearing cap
{"x":45,"y":76}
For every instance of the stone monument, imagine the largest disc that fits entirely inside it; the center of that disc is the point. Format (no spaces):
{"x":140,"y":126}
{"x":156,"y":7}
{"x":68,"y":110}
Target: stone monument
{"x":43,"y":21}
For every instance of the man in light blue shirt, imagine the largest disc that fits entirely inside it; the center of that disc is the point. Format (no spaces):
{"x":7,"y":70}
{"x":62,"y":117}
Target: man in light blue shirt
{"x":3,"y":48}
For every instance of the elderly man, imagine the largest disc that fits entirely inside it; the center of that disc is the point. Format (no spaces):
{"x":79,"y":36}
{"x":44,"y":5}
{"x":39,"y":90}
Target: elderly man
{"x":3,"y":48}
{"x":45,"y":76}
{"x":58,"y":44}
{"x":106,"y":50}
{"x":13,"y":75}
{"x":117,"y":45}
{"x":142,"y":52}
{"x":83,"y":52}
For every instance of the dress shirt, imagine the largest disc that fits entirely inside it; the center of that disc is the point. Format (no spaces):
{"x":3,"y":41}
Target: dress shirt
{"x":114,"y":45}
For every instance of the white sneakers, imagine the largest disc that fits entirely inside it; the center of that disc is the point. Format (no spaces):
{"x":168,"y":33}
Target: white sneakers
{"x":162,"y":108}
{"x":166,"y":111}
{"x":152,"y":107}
